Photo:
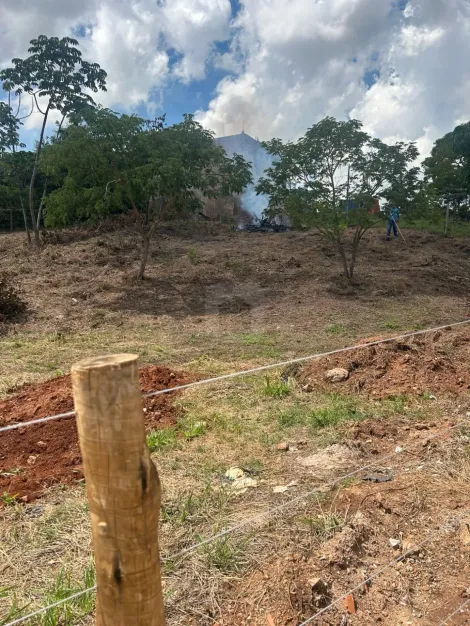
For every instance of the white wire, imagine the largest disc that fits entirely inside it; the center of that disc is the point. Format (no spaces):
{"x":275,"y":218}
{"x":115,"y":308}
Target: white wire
{"x":297,"y":499}
{"x":253,"y":370}
{"x":40,"y":420}
{"x":416,"y":547}
{"x":302,"y":359}
{"x":460,"y":608}
{"x":247,"y":522}
{"x":20,"y":620}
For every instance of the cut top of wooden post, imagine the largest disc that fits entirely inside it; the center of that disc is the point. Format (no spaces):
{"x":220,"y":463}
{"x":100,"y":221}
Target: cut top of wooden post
{"x":123,"y":491}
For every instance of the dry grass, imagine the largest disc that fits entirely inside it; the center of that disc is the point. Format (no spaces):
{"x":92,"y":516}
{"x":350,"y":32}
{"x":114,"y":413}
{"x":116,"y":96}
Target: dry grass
{"x":191,"y":313}
{"x":243,"y":425}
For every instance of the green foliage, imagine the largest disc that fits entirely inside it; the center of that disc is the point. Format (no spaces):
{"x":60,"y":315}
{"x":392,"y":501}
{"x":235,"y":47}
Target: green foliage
{"x":276,"y":388}
{"x":227,"y":554}
{"x":12,"y":304}
{"x":334,"y":410}
{"x":192,"y":428}
{"x":8,"y":498}
{"x":55,"y":70}
{"x":162,"y":438}
{"x":338,"y":409}
{"x":330,"y":178}
{"x":114,"y":163}
{"x":335,"y":329}
{"x":9,"y":128}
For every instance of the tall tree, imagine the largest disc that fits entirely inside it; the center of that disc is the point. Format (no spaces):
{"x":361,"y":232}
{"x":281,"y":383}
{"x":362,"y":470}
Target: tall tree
{"x":447,"y":169}
{"x":57,"y":79}
{"x":330,"y":178}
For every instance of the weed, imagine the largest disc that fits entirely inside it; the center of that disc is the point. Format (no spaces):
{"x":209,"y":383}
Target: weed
{"x":8,"y":498}
{"x":335,"y":329}
{"x":226,"y":554}
{"x":293,"y":416}
{"x":192,"y":428}
{"x":15,"y":611}
{"x":256,"y":339}
{"x":14,"y":471}
{"x":192,"y":256}
{"x":397,"y":404}
{"x":276,"y":388}
{"x":324,"y":525}
{"x":391,"y":325}
{"x":231,"y":424}
{"x":62,"y":588}
{"x":161,"y":438}
{"x":338,"y":410}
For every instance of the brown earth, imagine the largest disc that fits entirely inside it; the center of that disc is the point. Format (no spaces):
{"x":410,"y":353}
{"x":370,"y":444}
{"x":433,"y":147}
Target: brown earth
{"x":305,"y":572}
{"x":432,"y":363}
{"x":36,"y":457}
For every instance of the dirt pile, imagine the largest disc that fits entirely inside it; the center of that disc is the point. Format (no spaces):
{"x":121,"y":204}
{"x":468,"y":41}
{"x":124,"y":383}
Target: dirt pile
{"x":35,"y":457}
{"x":432,"y":363}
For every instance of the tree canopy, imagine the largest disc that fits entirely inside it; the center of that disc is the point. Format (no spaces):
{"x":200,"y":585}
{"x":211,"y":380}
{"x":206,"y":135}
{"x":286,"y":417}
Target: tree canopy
{"x":330,"y":178}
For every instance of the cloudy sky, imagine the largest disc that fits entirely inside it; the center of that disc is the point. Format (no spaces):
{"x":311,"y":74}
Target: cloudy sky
{"x":274,"y":66}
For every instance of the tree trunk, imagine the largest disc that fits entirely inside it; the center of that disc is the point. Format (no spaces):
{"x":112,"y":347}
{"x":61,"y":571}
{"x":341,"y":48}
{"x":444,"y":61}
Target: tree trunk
{"x":145,"y":256}
{"x":342,"y":253}
{"x":25,"y":217}
{"x":11,"y":220}
{"x":38,"y":223}
{"x":33,"y":180}
{"x":446,"y":227}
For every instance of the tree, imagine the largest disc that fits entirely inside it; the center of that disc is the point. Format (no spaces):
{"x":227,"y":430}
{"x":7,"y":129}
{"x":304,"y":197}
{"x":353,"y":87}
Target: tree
{"x":113,"y":163}
{"x":9,"y":128}
{"x":447,"y":169}
{"x":330,"y":178}
{"x":15,"y":172}
{"x":56,"y":75}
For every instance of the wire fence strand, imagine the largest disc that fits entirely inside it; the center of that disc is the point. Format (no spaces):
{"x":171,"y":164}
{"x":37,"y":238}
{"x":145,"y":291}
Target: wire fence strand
{"x":456,"y":612}
{"x":259,"y":518}
{"x":253,"y":370}
{"x":379,"y":572}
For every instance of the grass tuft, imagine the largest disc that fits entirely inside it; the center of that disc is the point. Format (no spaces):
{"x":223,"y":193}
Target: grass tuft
{"x":276,"y":388}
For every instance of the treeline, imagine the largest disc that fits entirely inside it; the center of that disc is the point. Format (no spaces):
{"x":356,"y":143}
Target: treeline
{"x":98,"y":163}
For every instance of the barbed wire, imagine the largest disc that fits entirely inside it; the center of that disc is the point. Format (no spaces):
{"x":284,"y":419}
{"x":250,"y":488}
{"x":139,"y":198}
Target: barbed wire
{"x":254,"y":370}
{"x":252,"y":520}
{"x":460,"y":608}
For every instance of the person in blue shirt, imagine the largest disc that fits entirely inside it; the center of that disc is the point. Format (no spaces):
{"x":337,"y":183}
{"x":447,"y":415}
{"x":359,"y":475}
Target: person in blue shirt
{"x":393,"y":217}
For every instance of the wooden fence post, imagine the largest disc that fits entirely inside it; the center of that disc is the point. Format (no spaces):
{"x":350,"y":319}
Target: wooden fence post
{"x":123,"y":491}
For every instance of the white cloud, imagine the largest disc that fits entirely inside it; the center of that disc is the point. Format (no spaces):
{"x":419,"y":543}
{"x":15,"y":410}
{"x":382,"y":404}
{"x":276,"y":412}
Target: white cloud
{"x":132,"y":40}
{"x":288,"y":64}
{"x":309,"y":60}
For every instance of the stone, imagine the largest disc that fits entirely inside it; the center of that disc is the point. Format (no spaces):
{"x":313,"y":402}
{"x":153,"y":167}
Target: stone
{"x":394,"y":543}
{"x":337,"y":375}
{"x":283,"y":446}
{"x":234,"y":472}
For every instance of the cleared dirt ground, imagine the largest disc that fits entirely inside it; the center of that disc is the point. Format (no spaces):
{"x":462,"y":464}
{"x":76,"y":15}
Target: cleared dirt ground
{"x":219,"y":301}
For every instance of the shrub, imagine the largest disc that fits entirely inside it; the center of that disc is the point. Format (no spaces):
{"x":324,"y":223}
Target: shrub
{"x":12,"y":304}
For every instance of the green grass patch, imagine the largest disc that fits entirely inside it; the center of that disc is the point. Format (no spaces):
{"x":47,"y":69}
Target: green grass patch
{"x":276,"y":388}
{"x":162,"y":438}
{"x":335,"y":329}
{"x":331,"y":412}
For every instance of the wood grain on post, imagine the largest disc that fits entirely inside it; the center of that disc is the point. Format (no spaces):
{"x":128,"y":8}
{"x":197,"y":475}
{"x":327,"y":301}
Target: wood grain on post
{"x":123,"y":491}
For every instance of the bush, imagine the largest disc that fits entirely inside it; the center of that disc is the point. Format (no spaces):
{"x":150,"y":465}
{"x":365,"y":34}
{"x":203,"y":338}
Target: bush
{"x":12,"y":304}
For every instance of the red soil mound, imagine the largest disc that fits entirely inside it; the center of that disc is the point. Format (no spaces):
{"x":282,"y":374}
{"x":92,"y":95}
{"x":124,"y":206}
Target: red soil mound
{"x":431,"y":363}
{"x":35,"y":457}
